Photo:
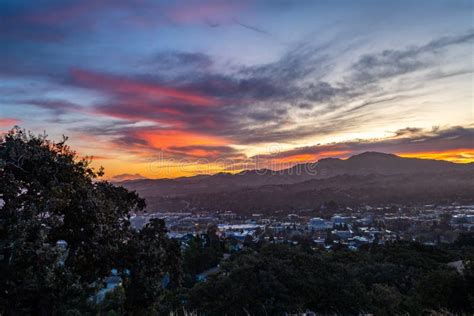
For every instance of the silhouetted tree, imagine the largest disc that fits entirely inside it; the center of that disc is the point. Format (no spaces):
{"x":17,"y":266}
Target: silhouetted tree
{"x":155,"y":269}
{"x":49,"y":194}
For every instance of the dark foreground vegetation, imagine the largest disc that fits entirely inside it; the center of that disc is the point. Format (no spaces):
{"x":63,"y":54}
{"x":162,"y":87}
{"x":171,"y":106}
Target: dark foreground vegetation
{"x":395,"y":279}
{"x":49,"y":195}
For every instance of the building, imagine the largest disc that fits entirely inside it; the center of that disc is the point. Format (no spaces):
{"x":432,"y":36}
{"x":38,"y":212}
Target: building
{"x":317,"y":224}
{"x":340,"y":220}
{"x":343,"y":234}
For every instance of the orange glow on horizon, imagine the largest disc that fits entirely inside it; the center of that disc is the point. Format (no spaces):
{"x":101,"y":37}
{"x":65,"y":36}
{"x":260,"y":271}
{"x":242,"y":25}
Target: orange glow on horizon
{"x":312,"y":157}
{"x":461,"y":155}
{"x":115,"y":167}
{"x":189,"y":167}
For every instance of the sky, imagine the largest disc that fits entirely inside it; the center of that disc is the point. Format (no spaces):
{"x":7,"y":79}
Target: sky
{"x":163,"y":89}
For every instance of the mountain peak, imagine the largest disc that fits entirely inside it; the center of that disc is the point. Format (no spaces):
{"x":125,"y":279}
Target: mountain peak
{"x":372,"y":154}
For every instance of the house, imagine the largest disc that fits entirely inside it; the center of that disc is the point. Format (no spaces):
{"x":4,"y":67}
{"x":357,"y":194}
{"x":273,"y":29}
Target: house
{"x":343,"y":234}
{"x":340,"y":220}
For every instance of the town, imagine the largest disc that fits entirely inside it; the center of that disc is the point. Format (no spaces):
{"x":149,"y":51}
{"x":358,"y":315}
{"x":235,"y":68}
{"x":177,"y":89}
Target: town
{"x":323,"y":229}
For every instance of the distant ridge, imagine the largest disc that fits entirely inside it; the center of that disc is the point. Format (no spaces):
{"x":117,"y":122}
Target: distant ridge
{"x":126,"y":177}
{"x":361,"y":165}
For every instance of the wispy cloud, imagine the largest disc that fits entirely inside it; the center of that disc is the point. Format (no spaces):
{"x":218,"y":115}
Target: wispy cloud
{"x":251,"y":27}
{"x":390,"y":63}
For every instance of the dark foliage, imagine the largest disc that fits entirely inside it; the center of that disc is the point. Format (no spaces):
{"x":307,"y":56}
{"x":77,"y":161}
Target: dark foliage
{"x":154,"y":262}
{"x":202,"y":252}
{"x":48,"y":194}
{"x":397,"y":278}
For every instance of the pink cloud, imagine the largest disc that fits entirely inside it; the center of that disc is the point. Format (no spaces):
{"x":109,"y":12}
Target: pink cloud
{"x":130,"y":87}
{"x":8,"y":122}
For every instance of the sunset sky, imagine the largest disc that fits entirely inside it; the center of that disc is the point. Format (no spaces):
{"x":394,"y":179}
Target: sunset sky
{"x":166,"y":89}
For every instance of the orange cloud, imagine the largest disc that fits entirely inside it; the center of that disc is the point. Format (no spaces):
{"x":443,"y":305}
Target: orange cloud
{"x":171,"y":138}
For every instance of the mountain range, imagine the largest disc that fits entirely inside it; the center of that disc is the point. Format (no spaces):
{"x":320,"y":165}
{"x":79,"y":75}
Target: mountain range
{"x":367,"y":178}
